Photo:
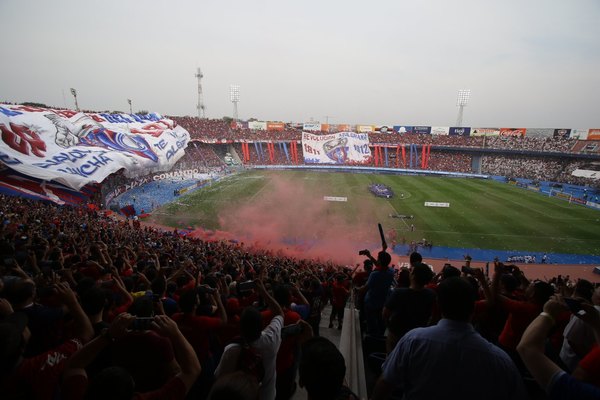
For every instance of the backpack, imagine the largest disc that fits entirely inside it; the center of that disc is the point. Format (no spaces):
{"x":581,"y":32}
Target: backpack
{"x":250,"y":361}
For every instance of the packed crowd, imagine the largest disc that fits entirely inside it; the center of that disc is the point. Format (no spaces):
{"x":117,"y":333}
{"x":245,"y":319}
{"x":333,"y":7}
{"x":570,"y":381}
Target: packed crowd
{"x":536,"y":168}
{"x":549,"y":144}
{"x":502,"y":336}
{"x":204,"y":128}
{"x":451,"y":162}
{"x":209,"y":129}
{"x":95,"y":307}
{"x":202,"y":153}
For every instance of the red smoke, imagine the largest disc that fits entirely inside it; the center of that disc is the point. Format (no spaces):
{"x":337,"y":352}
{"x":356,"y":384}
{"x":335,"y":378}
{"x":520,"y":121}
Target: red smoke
{"x":295,"y":219}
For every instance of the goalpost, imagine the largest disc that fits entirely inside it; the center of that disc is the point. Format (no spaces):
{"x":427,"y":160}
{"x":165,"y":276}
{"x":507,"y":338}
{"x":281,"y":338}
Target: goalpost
{"x":564,"y":196}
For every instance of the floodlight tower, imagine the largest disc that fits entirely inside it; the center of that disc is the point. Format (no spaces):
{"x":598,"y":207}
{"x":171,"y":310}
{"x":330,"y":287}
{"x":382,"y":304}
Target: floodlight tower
{"x":461,"y":101}
{"x":74,"y":93}
{"x":130,"y":108}
{"x":234,"y":95}
{"x":201,"y":108}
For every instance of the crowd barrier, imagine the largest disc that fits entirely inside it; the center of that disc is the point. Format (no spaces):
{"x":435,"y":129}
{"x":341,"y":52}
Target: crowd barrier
{"x":351,"y":348}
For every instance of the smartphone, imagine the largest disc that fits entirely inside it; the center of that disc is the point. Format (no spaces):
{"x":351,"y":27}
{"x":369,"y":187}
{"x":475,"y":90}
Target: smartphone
{"x":291,"y":330}
{"x":574,"y":305}
{"x":142,"y":323}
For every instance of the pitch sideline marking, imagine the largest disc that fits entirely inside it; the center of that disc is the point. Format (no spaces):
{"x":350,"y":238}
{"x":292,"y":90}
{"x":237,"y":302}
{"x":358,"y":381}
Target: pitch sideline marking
{"x":507,"y":234}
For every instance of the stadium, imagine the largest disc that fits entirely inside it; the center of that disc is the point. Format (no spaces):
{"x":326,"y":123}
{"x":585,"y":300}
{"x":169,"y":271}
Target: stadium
{"x":497,"y":194}
{"x":246,"y":183}
{"x":299,"y":201}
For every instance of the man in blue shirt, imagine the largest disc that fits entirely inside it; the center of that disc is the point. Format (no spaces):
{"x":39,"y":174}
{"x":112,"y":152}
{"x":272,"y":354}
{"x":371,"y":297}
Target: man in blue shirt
{"x":450,"y":360}
{"x":378,"y":286}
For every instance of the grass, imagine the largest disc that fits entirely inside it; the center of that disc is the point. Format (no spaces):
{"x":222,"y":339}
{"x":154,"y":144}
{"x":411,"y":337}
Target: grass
{"x":482,"y":214}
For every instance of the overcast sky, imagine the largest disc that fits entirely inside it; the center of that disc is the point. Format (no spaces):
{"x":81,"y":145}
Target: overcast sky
{"x":528,"y":63}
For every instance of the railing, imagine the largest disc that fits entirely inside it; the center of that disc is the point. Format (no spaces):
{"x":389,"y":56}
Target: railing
{"x":351,"y":349}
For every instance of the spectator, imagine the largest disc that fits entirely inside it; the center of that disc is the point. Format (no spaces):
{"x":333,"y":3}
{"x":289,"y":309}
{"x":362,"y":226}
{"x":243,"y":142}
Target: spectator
{"x":115,"y":382}
{"x":37,"y":377}
{"x":409,"y":308}
{"x":316,"y":298}
{"x":322,"y":371}
{"x":556,"y":382}
{"x":266,"y":343}
{"x":579,"y":336}
{"x":479,"y":369}
{"x":339,"y":297}
{"x":199,"y":330}
{"x":377,"y":288}
{"x":286,"y":359}
{"x":149,"y":369}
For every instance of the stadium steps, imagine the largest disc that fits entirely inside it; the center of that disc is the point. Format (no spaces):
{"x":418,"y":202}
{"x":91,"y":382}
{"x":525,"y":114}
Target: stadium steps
{"x":348,"y":340}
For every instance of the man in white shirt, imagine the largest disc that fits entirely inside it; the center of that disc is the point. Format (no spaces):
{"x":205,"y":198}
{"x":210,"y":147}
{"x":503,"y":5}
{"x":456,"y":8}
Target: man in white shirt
{"x":579,"y":336}
{"x":266,"y":343}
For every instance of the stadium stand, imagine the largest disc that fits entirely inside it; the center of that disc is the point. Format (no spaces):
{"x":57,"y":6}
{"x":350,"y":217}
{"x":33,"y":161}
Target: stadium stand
{"x":108,"y":301}
{"x":112,"y":276}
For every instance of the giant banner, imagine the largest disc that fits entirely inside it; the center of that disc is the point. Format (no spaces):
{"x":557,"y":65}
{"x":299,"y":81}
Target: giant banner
{"x":336,"y":148}
{"x":74,"y":148}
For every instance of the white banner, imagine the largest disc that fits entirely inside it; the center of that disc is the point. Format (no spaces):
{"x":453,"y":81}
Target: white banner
{"x":485,"y":131}
{"x":586,"y":173}
{"x":74,"y":148}
{"x":336,"y":148}
{"x":580,"y":134}
{"x":257,"y":125}
{"x":312,"y":126}
{"x":440,"y":130}
{"x":436,"y":204}
{"x":335,"y":198}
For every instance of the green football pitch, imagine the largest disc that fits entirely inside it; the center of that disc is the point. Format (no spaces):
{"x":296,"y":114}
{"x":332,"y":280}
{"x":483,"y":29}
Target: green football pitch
{"x":482,"y":214}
